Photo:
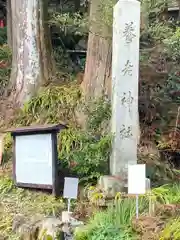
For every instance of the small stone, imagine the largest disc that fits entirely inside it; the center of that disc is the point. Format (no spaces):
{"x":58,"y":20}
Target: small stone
{"x":74,"y":223}
{"x":66,"y":216}
{"x":51,"y":226}
{"x":111,"y":185}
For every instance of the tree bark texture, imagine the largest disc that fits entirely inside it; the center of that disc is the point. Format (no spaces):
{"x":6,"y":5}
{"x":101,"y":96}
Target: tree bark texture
{"x":32,"y":64}
{"x":97,"y":78}
{"x":9,"y":23}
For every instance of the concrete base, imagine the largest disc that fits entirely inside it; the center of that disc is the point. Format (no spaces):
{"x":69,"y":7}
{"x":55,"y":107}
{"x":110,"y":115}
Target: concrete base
{"x":66,"y":216}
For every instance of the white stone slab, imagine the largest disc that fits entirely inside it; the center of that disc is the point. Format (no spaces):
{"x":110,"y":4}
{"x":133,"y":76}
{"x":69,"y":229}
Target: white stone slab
{"x":125,"y":76}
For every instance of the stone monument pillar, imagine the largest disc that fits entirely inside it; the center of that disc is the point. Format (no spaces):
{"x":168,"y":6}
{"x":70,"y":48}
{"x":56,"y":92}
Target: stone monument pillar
{"x":125,"y":78}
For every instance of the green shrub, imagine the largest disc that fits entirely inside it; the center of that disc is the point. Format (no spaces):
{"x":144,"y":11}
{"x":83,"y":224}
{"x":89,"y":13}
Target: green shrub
{"x":172,"y":46}
{"x":160,"y":31}
{"x":70,"y":23}
{"x":167,"y":194}
{"x":105,"y":231}
{"x":5,"y":53}
{"x":52,"y":105}
{"x":3,"y":35}
{"x":171,"y":231}
{"x":88,"y":151}
{"x":114,"y":223}
{"x":86,"y":155}
{"x":99,"y":113}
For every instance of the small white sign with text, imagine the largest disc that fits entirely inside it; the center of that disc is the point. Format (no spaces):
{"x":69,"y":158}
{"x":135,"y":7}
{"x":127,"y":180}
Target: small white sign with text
{"x":137,"y":179}
{"x":70,"y":188}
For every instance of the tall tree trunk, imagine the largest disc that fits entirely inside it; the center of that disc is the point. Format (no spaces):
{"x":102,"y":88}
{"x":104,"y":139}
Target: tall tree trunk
{"x":97,"y":78}
{"x":9,"y":22}
{"x":32,"y":64}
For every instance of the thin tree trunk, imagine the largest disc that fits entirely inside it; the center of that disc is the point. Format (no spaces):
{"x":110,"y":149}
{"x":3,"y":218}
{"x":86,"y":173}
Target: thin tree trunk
{"x":9,"y":23}
{"x":32,"y":64}
{"x":97,"y":78}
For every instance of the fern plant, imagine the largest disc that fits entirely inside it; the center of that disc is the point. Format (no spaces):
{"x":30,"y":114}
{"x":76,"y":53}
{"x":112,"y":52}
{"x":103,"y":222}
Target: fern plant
{"x":171,"y":231}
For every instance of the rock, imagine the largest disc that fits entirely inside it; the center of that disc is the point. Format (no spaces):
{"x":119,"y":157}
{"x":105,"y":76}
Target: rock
{"x":75,"y":223}
{"x":50,"y":226}
{"x":111,"y":185}
{"x":69,"y":228}
{"x":25,"y":228}
{"x":18,"y":221}
{"x":28,"y":231}
{"x":39,"y":227}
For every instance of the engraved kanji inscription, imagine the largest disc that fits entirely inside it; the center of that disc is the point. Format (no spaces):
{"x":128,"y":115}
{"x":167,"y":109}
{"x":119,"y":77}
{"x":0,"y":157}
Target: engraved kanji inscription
{"x":125,"y":132}
{"x":127,"y":100}
{"x":127,"y":70}
{"x":129,"y":32}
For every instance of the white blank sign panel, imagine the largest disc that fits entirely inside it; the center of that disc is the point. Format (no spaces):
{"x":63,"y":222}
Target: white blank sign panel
{"x":137,"y":179}
{"x":34,"y":159}
{"x":70,"y":188}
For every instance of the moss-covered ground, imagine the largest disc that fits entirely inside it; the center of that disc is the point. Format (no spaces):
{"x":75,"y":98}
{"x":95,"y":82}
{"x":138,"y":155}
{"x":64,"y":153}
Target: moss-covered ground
{"x":29,"y":203}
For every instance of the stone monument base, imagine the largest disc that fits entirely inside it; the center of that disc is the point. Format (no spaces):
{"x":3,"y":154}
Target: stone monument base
{"x":111,"y":185}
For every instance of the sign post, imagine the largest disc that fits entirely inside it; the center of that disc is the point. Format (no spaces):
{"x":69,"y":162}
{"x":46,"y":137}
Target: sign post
{"x":148,"y":190}
{"x":70,"y":192}
{"x":137,"y":182}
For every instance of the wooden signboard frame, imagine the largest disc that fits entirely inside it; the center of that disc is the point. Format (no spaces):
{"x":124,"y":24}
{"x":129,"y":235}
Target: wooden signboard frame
{"x":32,"y":130}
